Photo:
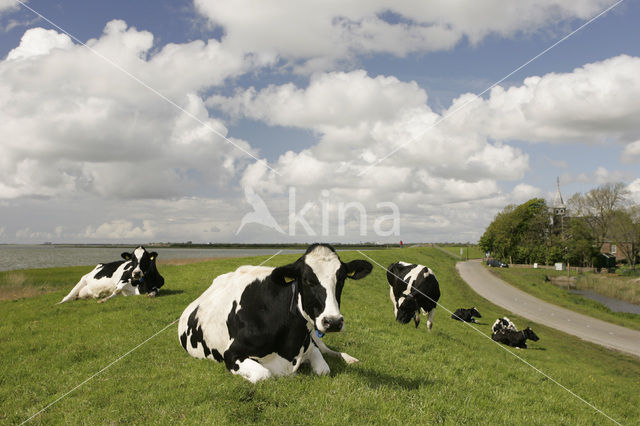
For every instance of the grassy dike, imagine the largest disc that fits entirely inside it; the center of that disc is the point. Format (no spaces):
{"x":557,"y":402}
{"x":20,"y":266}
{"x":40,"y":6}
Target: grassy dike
{"x":453,"y":375}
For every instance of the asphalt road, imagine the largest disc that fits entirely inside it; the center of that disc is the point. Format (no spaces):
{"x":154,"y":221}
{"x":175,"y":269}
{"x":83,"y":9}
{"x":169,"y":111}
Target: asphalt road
{"x":502,"y":294}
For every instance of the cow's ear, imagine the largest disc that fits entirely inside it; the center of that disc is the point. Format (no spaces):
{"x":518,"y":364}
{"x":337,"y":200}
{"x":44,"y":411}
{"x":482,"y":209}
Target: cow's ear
{"x":285,"y":275}
{"x":126,"y":256}
{"x":358,"y":268}
{"x":153,"y":255}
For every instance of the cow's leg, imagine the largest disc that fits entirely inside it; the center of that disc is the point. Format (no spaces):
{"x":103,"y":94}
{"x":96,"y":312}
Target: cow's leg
{"x":393,"y":302}
{"x":251,"y":370}
{"x":104,"y":299}
{"x":416,"y":318}
{"x":121,"y":288}
{"x":430,"y":319}
{"x":75,"y":292}
{"x":326,"y":350}
{"x":318,"y":364}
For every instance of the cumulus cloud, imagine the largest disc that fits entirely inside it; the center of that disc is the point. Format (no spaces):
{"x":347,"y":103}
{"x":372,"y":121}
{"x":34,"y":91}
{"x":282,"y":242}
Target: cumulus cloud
{"x":121,"y":230}
{"x":73,"y":122}
{"x":317,"y":35}
{"x":631,"y":152}
{"x":7,"y":6}
{"x":634,"y":190}
{"x":596,"y":103}
{"x":360,"y":119}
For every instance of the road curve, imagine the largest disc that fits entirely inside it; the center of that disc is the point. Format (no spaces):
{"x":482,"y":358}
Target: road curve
{"x":587,"y":328}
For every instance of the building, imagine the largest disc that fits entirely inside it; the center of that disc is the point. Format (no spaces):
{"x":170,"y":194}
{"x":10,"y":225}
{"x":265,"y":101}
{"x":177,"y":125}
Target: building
{"x":558,"y":213}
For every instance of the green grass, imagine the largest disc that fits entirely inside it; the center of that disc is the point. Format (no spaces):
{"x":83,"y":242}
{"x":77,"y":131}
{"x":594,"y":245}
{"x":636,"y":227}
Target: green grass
{"x":532,"y":281}
{"x":618,"y":287}
{"x":472,"y":252}
{"x":453,"y":375}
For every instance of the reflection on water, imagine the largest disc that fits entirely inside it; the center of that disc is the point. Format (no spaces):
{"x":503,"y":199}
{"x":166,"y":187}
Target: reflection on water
{"x":46,"y":256}
{"x":615,"y":305}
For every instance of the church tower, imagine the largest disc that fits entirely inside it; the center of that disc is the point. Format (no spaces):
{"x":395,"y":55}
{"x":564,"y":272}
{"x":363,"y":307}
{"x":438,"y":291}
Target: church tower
{"x":559,"y":208}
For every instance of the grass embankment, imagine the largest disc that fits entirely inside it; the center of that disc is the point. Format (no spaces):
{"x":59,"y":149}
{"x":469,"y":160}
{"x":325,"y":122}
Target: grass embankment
{"x":471,"y":251}
{"x":533,"y":282}
{"x":452,"y":375}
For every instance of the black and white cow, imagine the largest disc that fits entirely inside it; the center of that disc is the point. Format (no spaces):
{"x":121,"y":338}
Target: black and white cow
{"x":517,"y":339}
{"x":262,"y":321}
{"x":466,"y":315}
{"x":503,"y":323}
{"x":136,"y":274}
{"x":412,"y":288}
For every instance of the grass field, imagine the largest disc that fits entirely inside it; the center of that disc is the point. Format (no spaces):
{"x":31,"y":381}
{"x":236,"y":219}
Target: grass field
{"x":453,"y":375}
{"x":532,"y":281}
{"x":471,"y":252}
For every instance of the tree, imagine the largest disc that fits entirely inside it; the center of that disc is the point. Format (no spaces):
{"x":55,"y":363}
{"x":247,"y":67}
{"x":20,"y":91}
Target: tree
{"x":625,"y":232}
{"x":519,"y":233}
{"x":580,"y":243}
{"x":597,"y":208}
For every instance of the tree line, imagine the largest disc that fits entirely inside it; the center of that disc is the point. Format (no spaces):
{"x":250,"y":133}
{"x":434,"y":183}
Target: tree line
{"x":532,"y":233}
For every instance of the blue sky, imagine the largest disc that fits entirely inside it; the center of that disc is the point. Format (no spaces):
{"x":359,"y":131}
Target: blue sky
{"x":321,"y":93}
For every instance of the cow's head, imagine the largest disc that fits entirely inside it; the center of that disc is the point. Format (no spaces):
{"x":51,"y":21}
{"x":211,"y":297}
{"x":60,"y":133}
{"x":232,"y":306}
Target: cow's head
{"x":474,"y":312}
{"x":142,"y":263}
{"x":407,"y":308}
{"x":410,"y":301}
{"x":529,"y":334}
{"x":319,"y":277}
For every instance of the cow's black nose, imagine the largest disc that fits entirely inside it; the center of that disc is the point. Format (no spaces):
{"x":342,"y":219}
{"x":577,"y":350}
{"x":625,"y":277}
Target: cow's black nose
{"x":333,"y":323}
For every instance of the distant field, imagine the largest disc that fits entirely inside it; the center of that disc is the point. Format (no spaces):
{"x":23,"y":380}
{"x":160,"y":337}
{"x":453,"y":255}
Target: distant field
{"x":532,"y":281}
{"x":472,"y":252}
{"x":452,"y":375}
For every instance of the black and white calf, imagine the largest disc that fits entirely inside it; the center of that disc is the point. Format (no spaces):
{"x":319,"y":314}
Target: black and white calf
{"x":517,"y":339}
{"x":261,"y":321}
{"x":466,"y":315}
{"x":136,"y":274}
{"x":503,"y":323}
{"x":412,"y":288}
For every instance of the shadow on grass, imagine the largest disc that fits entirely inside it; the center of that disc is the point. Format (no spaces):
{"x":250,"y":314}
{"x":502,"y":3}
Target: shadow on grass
{"x":376,"y":379}
{"x":163,"y":293}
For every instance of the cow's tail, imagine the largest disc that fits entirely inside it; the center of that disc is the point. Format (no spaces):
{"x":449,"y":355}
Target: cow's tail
{"x":73,"y":294}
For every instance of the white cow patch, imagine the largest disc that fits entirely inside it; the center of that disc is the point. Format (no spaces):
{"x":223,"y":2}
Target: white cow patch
{"x":325,"y":264}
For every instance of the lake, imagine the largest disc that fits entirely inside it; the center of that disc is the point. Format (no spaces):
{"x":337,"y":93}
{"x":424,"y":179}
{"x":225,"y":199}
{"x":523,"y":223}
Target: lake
{"x":25,"y":256}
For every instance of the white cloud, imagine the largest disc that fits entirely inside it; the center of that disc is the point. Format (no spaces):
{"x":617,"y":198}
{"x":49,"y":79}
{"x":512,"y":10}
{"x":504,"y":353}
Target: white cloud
{"x":634,"y":190}
{"x":631,"y":152}
{"x":596,"y":103}
{"x":8,"y":6}
{"x":331,"y":100}
{"x":38,"y":41}
{"x":320,"y":34}
{"x":524,"y":192}
{"x":121,"y":230}
{"x":73,"y":122}
{"x":27,"y":234}
{"x":360,"y":119}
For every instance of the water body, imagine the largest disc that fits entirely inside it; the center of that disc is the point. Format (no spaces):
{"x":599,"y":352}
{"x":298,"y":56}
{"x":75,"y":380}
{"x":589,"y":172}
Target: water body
{"x":47,"y":256}
{"x":615,"y":305}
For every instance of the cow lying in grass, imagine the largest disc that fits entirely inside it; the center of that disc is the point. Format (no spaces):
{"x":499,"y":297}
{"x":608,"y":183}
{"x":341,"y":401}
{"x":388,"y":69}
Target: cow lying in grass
{"x":503,"y":323}
{"x":466,"y":315}
{"x":517,"y":339}
{"x":261,"y":321}
{"x":136,"y":274}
